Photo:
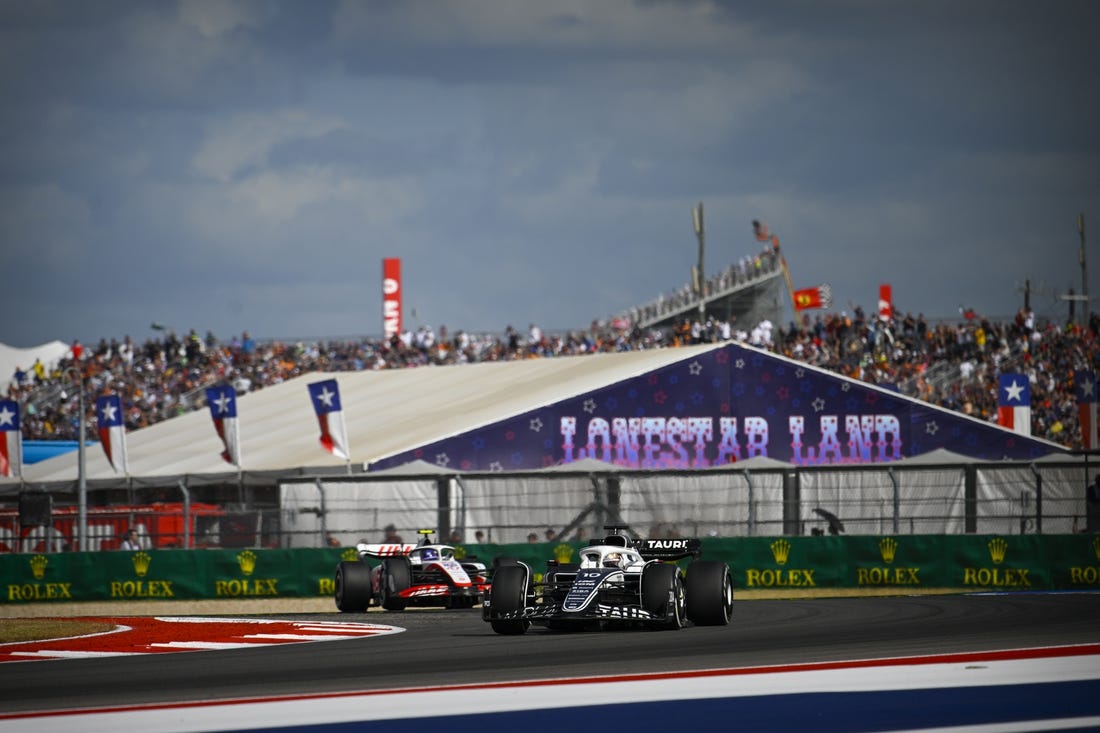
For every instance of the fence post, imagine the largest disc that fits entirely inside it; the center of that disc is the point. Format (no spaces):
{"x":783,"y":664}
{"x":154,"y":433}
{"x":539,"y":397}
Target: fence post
{"x":443,"y":491}
{"x":187,"y":531}
{"x":792,"y":500}
{"x":897,"y":499}
{"x":970,"y":498}
{"x":323,"y":512}
{"x":752,"y":504}
{"x":1038,"y":499}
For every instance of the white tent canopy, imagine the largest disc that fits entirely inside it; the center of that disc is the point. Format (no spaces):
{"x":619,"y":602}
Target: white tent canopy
{"x":387,"y":412}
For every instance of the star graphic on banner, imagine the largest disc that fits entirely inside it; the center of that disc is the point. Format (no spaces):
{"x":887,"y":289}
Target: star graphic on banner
{"x":6,"y":416}
{"x":1088,"y":387}
{"x":325,"y":396}
{"x":739,"y":364}
{"x":1014,"y":391}
{"x":496,"y":467}
{"x":819,"y":404}
{"x":695,"y":368}
{"x":442,"y":459}
{"x":536,"y":424}
{"x":223,"y":402}
{"x":109,"y":412}
{"x":799,"y":373}
{"x":845,"y":387}
{"x":931,"y":428}
{"x":590,"y":405}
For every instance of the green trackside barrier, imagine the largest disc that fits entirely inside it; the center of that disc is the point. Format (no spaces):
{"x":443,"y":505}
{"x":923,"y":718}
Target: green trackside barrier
{"x":898,"y":562}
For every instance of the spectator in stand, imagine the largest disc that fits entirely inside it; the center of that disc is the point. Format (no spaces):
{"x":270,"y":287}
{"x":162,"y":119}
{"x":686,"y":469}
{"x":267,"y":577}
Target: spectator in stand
{"x":165,"y":377}
{"x":129,"y":541}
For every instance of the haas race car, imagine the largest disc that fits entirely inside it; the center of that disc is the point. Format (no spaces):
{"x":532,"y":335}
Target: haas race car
{"x":423,"y":574}
{"x":618,"y":581}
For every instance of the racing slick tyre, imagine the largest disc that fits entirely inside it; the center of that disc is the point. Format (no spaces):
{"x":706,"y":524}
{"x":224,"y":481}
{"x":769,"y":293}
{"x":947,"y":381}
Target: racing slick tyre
{"x":660,"y":582}
{"x":352,"y":586}
{"x":509,"y":593}
{"x":709,"y":591}
{"x":396,"y":577}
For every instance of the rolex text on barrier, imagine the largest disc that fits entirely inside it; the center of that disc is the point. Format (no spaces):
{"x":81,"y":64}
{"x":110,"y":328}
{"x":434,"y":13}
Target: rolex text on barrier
{"x":902,"y":562}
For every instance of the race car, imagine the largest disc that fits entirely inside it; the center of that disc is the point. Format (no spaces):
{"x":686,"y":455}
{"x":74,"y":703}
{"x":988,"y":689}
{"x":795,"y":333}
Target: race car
{"x":422,"y":574}
{"x":618,"y":581}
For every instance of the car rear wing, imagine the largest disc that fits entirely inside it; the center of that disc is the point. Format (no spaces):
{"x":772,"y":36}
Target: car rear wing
{"x":387,"y":549}
{"x":668,"y":549}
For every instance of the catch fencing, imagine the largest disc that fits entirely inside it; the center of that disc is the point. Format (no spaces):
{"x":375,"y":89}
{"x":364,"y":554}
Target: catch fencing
{"x":755,"y":498}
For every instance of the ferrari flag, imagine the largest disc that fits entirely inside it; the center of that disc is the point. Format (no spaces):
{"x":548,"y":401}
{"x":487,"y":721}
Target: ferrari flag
{"x":1014,"y":403}
{"x":1084,"y":386}
{"x":326,"y":403}
{"x":11,"y":440}
{"x":810,"y":298}
{"x":223,"y":408}
{"x":112,"y":432}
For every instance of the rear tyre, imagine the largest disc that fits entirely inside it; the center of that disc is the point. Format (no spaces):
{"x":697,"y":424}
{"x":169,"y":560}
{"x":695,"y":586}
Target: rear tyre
{"x":509,"y":594}
{"x":663,"y":594}
{"x":352,"y":592}
{"x":396,"y":577}
{"x":709,"y":590}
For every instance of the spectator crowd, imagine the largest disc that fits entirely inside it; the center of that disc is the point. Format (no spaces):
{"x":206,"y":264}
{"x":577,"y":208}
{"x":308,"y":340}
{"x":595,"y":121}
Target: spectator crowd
{"x":954,"y":365}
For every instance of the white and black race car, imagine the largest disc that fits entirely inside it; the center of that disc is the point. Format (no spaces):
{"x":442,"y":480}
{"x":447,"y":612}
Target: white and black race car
{"x":617,"y":581}
{"x":423,"y":574}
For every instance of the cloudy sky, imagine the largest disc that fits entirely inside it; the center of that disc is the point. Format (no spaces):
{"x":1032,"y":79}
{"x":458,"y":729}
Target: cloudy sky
{"x":241,"y":166}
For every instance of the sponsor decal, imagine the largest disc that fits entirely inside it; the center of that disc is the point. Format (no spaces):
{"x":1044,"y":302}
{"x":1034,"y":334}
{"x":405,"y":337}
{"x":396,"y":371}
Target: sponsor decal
{"x":666,"y":544}
{"x":39,"y":591}
{"x":454,"y":569}
{"x":1087,"y":574}
{"x":997,"y":577}
{"x":563,"y":553}
{"x":141,"y":588}
{"x":247,"y":587}
{"x":781,"y":577}
{"x":584,"y":588}
{"x":879,"y":575}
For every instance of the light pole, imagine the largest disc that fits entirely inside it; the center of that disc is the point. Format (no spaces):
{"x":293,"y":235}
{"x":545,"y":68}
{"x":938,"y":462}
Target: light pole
{"x":81,"y":477}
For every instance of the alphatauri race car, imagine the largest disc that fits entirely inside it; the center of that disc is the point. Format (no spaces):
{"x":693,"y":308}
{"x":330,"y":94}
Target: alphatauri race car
{"x":618,"y":581}
{"x":423,"y":574}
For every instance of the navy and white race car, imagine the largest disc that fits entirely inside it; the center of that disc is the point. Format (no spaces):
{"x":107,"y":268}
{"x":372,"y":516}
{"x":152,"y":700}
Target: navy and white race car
{"x":618,"y":581}
{"x":423,"y":574}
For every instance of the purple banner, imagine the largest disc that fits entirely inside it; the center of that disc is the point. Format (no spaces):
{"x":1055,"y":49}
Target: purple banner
{"x":720,"y":407}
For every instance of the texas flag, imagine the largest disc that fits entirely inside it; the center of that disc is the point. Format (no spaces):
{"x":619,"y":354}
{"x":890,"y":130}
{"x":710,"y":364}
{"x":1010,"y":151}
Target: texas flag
{"x":334,"y":431}
{"x":223,"y":408}
{"x":1014,"y":403}
{"x":1084,"y":386}
{"x":112,"y":433}
{"x":11,"y":440}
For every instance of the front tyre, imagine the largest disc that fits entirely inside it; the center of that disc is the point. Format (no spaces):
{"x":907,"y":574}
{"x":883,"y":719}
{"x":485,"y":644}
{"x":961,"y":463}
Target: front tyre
{"x":663,"y":594}
{"x":352,"y":583}
{"x":709,"y":593}
{"x":396,"y":577}
{"x":509,"y":595}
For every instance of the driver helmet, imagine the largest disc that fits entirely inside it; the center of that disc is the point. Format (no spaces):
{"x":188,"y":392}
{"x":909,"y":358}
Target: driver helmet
{"x":429,"y":553}
{"x":612,"y":560}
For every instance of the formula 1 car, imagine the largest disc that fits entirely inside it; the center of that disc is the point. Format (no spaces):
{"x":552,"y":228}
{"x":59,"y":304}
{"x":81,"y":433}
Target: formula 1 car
{"x":618,"y":581}
{"x":422,"y":574}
